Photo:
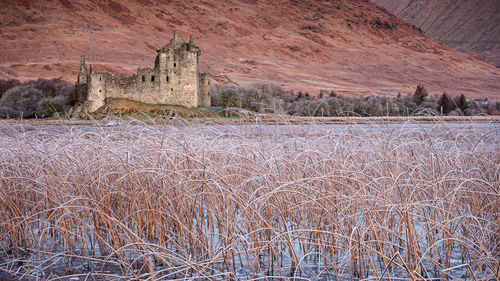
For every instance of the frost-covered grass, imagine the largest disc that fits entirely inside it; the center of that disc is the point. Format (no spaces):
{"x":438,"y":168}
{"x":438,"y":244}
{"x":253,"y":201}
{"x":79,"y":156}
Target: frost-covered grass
{"x":247,"y":202}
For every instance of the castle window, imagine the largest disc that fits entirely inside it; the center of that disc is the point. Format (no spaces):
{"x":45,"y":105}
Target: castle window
{"x":167,"y":78}
{"x":143,"y":78}
{"x":152,"y":78}
{"x":100,"y":79}
{"x":175,"y":64}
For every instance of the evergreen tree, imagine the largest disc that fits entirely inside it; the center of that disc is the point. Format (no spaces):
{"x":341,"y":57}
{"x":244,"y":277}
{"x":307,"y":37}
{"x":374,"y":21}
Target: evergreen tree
{"x":420,"y":94}
{"x":462,"y":102}
{"x":446,"y":104}
{"x":300,"y":96}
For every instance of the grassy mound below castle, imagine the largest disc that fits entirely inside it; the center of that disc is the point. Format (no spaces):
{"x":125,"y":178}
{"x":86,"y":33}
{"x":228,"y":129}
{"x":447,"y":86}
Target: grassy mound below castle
{"x":130,"y":109}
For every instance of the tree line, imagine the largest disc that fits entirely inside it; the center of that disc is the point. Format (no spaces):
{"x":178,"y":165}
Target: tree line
{"x":35,"y":99}
{"x":264,"y":98}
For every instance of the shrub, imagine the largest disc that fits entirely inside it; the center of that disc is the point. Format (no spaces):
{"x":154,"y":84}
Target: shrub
{"x":319,"y":108}
{"x":23,"y":99}
{"x":336,"y":106}
{"x":8,"y":112}
{"x":8,"y":84}
{"x":45,"y":108}
{"x":427,"y":107}
{"x":298,"y":108}
{"x":456,"y":112}
{"x":49,"y":88}
{"x":474,"y":108}
{"x":229,"y":99}
{"x":252,"y":99}
{"x":264,"y":98}
{"x":48,"y":106}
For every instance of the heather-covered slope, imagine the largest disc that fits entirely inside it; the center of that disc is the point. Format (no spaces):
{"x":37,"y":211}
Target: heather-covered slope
{"x":344,"y":45}
{"x":468,"y":25}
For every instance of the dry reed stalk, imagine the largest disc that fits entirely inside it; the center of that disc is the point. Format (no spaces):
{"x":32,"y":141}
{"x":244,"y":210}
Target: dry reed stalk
{"x":242,"y":202}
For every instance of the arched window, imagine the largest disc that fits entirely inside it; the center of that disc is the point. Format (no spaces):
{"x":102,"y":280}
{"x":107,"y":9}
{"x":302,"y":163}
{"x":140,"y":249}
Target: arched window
{"x":152,"y":78}
{"x":143,"y":78}
{"x":175,"y":64}
{"x":167,"y":78}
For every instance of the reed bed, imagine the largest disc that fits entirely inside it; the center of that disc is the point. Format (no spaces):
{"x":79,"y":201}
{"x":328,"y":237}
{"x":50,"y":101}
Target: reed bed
{"x":255,"y":202}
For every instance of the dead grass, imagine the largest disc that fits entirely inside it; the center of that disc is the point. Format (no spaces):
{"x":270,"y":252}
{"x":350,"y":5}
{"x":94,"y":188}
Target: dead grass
{"x":366,"y":202}
{"x":137,"y":110}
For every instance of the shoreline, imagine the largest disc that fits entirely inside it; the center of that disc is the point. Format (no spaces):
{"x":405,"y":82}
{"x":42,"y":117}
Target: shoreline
{"x":261,"y":119}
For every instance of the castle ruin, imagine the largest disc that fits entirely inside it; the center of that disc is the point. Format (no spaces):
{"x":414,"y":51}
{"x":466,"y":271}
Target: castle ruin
{"x":174,"y":80}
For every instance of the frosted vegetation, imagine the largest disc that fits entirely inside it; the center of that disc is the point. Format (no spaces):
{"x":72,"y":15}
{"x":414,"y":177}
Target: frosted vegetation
{"x":35,"y":99}
{"x":265,"y":98}
{"x":377,"y":202}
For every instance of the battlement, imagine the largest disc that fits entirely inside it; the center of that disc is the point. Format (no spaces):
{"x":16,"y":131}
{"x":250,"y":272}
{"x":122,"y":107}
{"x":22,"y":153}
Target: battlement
{"x":177,"y":43}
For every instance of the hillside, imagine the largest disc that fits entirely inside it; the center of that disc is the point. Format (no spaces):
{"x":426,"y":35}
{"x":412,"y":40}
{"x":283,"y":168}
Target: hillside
{"x":344,"y":45}
{"x":468,"y":25}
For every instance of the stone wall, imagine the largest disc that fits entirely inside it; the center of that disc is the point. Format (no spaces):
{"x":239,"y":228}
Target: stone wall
{"x":181,"y":67}
{"x":132,"y":87}
{"x":96,"y":91}
{"x":174,"y":80}
{"x":204,"y":96}
{"x":81,"y":92}
{"x":81,"y":86}
{"x":82,"y":74}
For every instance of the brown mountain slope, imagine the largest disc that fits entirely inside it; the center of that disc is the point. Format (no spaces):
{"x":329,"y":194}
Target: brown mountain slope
{"x":342,"y":45}
{"x":468,"y":25}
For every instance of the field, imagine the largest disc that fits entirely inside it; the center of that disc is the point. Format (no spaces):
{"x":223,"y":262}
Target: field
{"x":407,"y":201}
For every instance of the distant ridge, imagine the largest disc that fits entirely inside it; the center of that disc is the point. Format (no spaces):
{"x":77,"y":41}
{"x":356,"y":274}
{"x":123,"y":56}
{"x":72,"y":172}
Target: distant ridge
{"x":468,"y":25}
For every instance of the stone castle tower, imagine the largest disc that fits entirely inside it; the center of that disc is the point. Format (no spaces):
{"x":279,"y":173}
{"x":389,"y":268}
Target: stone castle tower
{"x":174,"y":80}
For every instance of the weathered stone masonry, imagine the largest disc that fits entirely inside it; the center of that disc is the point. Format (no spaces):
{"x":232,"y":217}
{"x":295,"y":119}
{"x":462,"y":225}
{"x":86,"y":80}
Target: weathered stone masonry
{"x":175,"y":80}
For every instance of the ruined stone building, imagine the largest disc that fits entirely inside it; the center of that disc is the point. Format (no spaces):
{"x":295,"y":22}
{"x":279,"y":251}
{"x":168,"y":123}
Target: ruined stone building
{"x":174,"y":80}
